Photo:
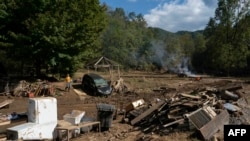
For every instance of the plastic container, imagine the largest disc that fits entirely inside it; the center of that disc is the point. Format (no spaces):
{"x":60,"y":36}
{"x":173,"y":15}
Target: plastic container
{"x":74,"y":117}
{"x":105,"y":115}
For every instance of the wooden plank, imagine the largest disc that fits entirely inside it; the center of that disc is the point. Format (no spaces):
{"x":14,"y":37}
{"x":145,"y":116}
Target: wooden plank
{"x":83,"y":124}
{"x":4,"y":122}
{"x":72,"y":127}
{"x":3,"y":139}
{"x":147,"y":112}
{"x":174,"y":122}
{"x":103,"y":66}
{"x":5,"y":103}
{"x":190,"y":96}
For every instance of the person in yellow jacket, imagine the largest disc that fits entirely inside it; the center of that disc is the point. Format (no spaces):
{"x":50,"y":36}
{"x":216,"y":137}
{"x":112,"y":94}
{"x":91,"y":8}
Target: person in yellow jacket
{"x":68,"y":83}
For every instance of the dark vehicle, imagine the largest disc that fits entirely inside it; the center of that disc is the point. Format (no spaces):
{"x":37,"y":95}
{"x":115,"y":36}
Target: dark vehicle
{"x":94,"y":84}
{"x":182,"y":75}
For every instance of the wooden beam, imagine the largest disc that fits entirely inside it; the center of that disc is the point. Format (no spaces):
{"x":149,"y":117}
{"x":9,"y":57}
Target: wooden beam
{"x":190,"y":96}
{"x":174,"y":122}
{"x":147,"y":112}
{"x":4,"y":122}
{"x":5,"y":103}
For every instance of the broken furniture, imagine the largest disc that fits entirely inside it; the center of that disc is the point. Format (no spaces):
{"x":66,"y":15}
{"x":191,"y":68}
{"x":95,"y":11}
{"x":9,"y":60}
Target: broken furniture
{"x":119,"y":86}
{"x":63,"y":125}
{"x":147,"y":112}
{"x":133,"y":105}
{"x":208,"y":122}
{"x":42,"y":120}
{"x":72,"y":123}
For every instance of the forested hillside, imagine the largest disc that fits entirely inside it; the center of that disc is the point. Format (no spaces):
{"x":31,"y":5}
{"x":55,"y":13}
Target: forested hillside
{"x":56,"y":36}
{"x":62,"y":36}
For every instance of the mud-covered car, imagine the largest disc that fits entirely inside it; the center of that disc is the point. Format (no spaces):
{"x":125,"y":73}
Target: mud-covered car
{"x":94,"y":84}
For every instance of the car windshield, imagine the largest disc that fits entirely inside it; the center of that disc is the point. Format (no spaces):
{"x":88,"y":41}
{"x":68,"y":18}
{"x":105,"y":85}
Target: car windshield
{"x":100,"y":82}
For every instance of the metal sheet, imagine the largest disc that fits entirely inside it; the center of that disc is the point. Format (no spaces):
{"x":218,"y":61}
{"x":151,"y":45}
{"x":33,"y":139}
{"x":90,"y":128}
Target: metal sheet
{"x":215,"y":125}
{"x":205,"y":124}
{"x":199,"y":118}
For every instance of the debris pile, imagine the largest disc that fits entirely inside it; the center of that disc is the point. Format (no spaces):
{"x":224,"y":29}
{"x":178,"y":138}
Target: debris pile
{"x":39,"y":88}
{"x":119,"y":86}
{"x":206,"y":110}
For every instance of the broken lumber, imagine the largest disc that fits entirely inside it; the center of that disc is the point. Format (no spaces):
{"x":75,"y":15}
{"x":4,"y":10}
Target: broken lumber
{"x":174,"y":122}
{"x":147,"y":112}
{"x":5,"y":103}
{"x":190,"y":96}
{"x":231,"y":88}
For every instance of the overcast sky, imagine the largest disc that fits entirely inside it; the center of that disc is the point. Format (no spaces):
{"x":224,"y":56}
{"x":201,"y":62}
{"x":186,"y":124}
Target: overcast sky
{"x":170,"y":15}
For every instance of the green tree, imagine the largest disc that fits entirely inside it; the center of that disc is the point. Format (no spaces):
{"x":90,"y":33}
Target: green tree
{"x":126,"y":39}
{"x":57,"y":35}
{"x":225,"y":49}
{"x":198,"y":54}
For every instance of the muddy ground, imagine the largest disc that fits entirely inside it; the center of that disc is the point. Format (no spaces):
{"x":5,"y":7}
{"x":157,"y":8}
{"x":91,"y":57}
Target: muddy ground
{"x":140,"y":86}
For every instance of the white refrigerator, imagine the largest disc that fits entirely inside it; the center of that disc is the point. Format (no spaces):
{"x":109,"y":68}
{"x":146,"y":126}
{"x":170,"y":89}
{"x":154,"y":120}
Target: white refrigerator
{"x":42,"y":120}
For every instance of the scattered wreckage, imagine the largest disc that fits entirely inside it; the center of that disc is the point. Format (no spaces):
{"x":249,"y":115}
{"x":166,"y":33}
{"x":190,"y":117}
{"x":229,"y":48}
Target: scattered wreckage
{"x":28,"y":89}
{"x":206,"y":111}
{"x":40,"y":127}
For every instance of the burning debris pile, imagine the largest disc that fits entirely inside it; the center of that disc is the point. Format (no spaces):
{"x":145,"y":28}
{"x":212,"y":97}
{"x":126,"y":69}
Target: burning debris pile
{"x":206,"y":110}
